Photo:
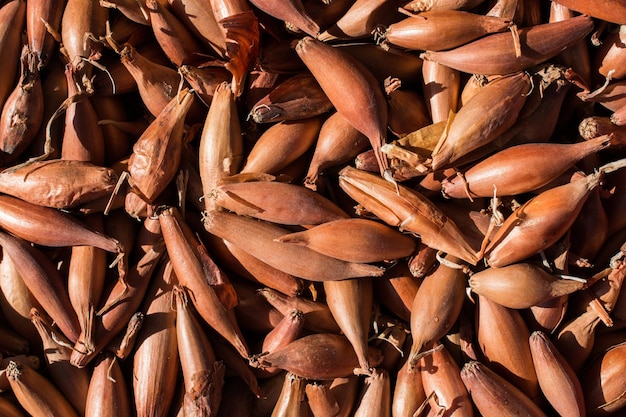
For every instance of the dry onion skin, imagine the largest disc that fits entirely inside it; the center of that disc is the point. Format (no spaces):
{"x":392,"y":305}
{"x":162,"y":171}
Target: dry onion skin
{"x":329,"y":208}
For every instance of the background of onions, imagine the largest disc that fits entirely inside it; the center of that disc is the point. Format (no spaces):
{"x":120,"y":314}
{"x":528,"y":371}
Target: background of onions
{"x":223,"y":208}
